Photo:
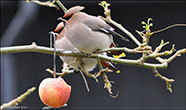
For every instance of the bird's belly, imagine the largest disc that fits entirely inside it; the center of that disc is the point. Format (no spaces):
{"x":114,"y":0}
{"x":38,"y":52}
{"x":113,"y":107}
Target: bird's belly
{"x":70,"y":61}
{"x":88,"y":63}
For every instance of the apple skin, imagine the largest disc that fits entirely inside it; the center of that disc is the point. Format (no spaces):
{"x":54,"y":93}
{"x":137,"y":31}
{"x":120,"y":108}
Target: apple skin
{"x":54,"y":92}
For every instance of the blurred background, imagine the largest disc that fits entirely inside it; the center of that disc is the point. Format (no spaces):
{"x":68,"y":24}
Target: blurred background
{"x":23,"y":23}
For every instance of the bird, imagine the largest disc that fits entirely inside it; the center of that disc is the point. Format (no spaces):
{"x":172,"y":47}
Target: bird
{"x":88,"y":64}
{"x":88,"y":33}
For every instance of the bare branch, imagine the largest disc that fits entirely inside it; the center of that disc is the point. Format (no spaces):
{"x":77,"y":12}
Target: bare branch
{"x":133,"y":62}
{"x":168,"y":81}
{"x":40,"y":49}
{"x":125,"y":49}
{"x":47,"y":3}
{"x":18,"y":99}
{"x":61,"y":52}
{"x":60,"y":74}
{"x":61,"y":5}
{"x":177,"y":54}
{"x":174,"y":25}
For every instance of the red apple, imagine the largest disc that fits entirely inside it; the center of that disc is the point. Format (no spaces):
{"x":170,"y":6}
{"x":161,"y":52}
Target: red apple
{"x":54,"y":92}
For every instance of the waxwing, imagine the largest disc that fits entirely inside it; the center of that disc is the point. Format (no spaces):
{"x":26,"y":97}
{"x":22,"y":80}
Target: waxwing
{"x":88,"y":33}
{"x":63,"y":43}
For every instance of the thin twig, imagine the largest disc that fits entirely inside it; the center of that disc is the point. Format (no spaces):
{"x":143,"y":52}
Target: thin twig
{"x":107,"y":84}
{"x":133,"y":62}
{"x":47,"y":3}
{"x":174,"y":25}
{"x":60,"y":74}
{"x":61,"y":5}
{"x":177,"y":54}
{"x":125,"y":49}
{"x":86,"y":72}
{"x":18,"y":99}
{"x":155,"y":55}
{"x":86,"y":84}
{"x":168,"y":81}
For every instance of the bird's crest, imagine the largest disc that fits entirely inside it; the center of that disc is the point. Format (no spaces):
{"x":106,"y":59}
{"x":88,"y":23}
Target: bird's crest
{"x":73,"y":10}
{"x":59,"y":27}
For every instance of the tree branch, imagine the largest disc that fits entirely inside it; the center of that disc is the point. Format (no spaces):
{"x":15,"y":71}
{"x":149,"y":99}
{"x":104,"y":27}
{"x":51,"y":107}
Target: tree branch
{"x":61,"y":5}
{"x":167,"y":80}
{"x":177,"y":54}
{"x":18,"y":99}
{"x":47,"y":3}
{"x":40,"y":49}
{"x":133,"y":62}
{"x":61,"y":52}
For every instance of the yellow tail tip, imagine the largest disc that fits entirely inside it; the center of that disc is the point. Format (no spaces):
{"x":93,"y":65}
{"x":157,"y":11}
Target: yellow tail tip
{"x":118,"y":71}
{"x":119,"y":56}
